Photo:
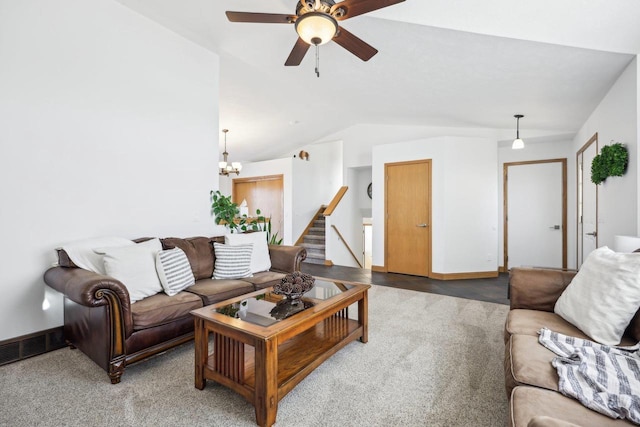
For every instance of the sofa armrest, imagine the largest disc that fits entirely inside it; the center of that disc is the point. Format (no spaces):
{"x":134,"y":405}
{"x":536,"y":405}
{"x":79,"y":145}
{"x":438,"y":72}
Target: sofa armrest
{"x":537,"y":288}
{"x":286,"y":259}
{"x":544,"y":421}
{"x":93,"y":290}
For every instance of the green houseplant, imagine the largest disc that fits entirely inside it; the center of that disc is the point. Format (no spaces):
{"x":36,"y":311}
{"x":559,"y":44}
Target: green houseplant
{"x":612,"y":161}
{"x":226,"y":213}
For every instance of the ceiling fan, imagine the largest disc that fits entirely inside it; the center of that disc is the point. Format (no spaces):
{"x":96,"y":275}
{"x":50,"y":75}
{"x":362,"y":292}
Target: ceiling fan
{"x":316,"y":22}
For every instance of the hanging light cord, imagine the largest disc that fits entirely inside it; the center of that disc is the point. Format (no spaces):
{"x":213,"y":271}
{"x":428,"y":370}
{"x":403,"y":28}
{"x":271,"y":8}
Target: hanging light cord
{"x":317,"y":61}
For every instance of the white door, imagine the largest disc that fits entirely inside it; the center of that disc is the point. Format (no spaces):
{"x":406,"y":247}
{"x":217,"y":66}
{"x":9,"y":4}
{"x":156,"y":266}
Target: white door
{"x":587,"y":202}
{"x":535,"y":214}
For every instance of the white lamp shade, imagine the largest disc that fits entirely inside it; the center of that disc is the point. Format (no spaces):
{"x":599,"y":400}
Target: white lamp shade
{"x":626,"y":244}
{"x":236,"y":165}
{"x":222,"y":165}
{"x":518,"y":144}
{"x":316,"y":28}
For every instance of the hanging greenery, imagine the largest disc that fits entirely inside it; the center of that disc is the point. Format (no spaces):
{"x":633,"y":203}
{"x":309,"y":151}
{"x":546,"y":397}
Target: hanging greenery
{"x":612,"y":161}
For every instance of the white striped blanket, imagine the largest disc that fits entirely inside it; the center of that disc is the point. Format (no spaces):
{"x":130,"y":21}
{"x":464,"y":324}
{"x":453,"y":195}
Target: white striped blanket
{"x":603,"y":378}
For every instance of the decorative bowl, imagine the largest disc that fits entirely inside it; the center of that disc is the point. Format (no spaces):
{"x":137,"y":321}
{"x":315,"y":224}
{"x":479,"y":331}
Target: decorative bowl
{"x":294,"y":285}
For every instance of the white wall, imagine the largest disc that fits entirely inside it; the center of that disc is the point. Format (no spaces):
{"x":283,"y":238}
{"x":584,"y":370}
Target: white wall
{"x":282,"y":167}
{"x":464,"y":200}
{"x":616,"y":120}
{"x":562,"y":149}
{"x":316,"y":182}
{"x":108,"y":126}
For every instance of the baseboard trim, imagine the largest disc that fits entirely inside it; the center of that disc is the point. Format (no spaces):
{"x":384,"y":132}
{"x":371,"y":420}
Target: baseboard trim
{"x":501,"y":269}
{"x":34,"y":344}
{"x":463,"y":276}
{"x":379,"y":268}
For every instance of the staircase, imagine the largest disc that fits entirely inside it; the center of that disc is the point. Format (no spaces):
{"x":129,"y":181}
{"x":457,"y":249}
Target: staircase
{"x":313,"y":240}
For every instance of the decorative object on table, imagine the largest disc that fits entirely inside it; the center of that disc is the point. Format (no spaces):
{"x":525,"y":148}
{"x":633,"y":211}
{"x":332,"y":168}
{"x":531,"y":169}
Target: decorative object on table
{"x":612,"y":161}
{"x":294,"y":285}
{"x":288,"y":307}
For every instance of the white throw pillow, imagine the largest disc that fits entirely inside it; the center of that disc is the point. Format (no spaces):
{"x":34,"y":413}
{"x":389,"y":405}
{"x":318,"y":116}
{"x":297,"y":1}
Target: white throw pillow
{"x":260,"y":259}
{"x":603,"y":296}
{"x":232,"y":262}
{"x":135,"y":267}
{"x":82,"y":252}
{"x":174,"y":271}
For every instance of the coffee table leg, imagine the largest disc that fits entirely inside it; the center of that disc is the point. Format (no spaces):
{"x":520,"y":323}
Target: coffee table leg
{"x":201,"y":345}
{"x":266,"y":385}
{"x":363,"y":316}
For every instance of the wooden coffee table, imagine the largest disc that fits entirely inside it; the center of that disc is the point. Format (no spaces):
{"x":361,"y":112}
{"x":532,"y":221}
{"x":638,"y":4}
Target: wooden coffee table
{"x":240,"y":345}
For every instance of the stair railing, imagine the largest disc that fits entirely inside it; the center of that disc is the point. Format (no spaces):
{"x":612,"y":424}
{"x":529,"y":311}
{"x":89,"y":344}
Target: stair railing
{"x":346,"y":245}
{"x":336,"y":199}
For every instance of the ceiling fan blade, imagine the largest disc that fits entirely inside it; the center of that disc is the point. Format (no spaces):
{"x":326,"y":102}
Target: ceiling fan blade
{"x":297,"y":53}
{"x":358,"y":7}
{"x":265,"y":18}
{"x":354,"y":45}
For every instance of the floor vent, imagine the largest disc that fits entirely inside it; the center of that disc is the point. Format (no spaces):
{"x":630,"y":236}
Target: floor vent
{"x":30,"y":345}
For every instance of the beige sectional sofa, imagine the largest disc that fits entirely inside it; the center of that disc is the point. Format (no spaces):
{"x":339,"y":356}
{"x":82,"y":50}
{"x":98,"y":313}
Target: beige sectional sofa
{"x":531,"y":381}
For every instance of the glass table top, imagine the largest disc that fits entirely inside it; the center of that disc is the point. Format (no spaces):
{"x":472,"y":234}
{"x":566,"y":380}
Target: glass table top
{"x":269,"y":308}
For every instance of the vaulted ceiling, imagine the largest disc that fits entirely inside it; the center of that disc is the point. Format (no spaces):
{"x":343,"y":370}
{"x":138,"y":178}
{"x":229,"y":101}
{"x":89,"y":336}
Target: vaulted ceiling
{"x":458,"y":63}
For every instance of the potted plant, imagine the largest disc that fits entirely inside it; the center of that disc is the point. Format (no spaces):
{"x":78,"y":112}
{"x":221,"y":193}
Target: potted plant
{"x":227,"y":213}
{"x":612,"y":161}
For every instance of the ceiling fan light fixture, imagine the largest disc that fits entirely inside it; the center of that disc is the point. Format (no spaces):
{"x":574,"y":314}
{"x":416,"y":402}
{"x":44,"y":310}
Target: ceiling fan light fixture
{"x":518,"y":144}
{"x":316,"y":28}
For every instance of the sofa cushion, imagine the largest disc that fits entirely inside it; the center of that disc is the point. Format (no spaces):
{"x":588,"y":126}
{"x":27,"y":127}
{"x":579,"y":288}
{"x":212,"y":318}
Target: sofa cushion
{"x":215,"y":290}
{"x":527,"y":362}
{"x":135,"y":267}
{"x":265,"y":279}
{"x":199,"y":251}
{"x":528,"y":403}
{"x":174,"y":271}
{"x":529,"y":322}
{"x":161,"y":308}
{"x":604,"y":296}
{"x":232,"y":262}
{"x":260,"y":260}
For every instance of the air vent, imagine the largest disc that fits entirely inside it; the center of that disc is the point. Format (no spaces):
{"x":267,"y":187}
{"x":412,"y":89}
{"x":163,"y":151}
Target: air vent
{"x":30,"y":345}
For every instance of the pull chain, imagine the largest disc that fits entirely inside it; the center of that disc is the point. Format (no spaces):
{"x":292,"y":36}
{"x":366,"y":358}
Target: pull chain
{"x":317,"y":61}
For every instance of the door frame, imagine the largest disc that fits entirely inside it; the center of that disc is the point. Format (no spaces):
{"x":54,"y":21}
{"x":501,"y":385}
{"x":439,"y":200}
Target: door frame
{"x":579,"y":234}
{"x":429,"y":215}
{"x":505,"y":206}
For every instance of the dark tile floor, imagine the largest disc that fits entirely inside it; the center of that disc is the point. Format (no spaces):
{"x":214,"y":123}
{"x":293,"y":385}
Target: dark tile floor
{"x":489,"y":290}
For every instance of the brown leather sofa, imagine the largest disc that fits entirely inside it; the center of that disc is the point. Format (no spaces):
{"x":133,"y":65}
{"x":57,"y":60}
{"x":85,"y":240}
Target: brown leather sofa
{"x":100,"y":320}
{"x":531,"y":381}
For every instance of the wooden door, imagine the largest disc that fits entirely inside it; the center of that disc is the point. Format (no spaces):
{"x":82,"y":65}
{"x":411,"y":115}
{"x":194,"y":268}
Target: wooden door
{"x":587,"y":197}
{"x":264,"y":193}
{"x":408,"y":217}
{"x":535,"y":206}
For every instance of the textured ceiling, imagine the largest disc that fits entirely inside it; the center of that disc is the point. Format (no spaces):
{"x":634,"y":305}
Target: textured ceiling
{"x":457,"y":63}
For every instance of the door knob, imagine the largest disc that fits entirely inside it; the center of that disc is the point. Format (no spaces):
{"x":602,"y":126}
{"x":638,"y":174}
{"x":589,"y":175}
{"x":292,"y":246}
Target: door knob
{"x":555,"y":227}
{"x":594,"y":234}
{"x":422,"y":225}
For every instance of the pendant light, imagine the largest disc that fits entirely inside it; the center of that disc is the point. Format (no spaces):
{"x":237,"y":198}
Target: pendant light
{"x":227,"y":168}
{"x":518,"y":144}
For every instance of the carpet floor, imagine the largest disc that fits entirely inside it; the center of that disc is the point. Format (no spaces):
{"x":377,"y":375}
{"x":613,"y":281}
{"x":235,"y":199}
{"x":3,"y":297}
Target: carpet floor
{"x":431,"y":360}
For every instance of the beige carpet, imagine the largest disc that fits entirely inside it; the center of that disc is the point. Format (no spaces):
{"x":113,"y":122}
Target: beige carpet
{"x":431,"y":360}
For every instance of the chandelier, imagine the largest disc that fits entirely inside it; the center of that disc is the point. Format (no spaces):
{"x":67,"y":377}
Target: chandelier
{"x":227,"y":168}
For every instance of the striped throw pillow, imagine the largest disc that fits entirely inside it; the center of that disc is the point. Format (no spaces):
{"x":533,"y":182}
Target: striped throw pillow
{"x":174,"y":271}
{"x":232,"y":262}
